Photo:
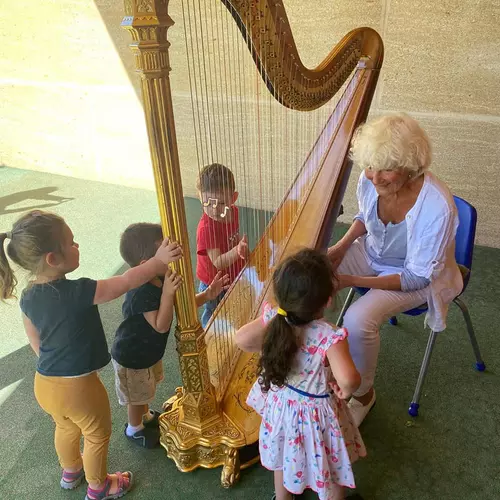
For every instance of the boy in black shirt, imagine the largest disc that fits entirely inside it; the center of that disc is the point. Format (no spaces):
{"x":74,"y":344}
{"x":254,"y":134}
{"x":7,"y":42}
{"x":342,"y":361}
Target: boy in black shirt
{"x":141,"y":339}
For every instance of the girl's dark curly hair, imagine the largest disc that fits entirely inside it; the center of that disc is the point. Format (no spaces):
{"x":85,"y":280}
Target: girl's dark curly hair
{"x":302,"y":284}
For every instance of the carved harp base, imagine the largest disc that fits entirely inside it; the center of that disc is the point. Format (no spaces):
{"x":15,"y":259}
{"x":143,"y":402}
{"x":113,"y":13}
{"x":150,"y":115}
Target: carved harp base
{"x":217,"y":445}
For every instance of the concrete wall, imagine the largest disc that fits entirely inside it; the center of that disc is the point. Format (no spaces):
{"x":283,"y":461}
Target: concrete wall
{"x":67,"y":103}
{"x":70,"y":102}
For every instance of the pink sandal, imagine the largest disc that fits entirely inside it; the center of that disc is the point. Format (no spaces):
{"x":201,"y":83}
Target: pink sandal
{"x":71,"y":480}
{"x":103,"y":493}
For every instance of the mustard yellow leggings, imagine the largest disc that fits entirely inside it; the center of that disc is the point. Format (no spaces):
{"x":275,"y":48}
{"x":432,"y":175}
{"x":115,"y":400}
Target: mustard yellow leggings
{"x":79,"y":406}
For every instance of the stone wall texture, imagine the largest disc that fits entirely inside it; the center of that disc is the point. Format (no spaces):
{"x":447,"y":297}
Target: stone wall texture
{"x":70,"y":100}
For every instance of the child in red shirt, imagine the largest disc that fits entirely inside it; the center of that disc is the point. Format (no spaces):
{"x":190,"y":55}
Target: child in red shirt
{"x":218,"y":243}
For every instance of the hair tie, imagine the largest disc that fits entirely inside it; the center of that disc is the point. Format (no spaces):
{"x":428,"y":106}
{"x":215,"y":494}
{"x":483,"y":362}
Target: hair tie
{"x":8,"y":235}
{"x":282,"y":312}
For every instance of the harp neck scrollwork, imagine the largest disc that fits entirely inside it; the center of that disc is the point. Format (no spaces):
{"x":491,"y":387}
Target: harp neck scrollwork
{"x":196,"y":430}
{"x":265,"y":26}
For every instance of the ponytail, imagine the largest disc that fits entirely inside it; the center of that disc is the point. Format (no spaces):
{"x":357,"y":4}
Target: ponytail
{"x":33,"y":235}
{"x":278,"y":353}
{"x":8,"y":281}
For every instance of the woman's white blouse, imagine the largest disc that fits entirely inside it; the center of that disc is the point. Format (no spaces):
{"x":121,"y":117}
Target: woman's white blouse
{"x":430,"y":240}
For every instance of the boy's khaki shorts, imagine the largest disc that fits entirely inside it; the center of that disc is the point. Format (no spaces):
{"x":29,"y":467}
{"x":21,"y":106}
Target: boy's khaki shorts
{"x":137,"y":387}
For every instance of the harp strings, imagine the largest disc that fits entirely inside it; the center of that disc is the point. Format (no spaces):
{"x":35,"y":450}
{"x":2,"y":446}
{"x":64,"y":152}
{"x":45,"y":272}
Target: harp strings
{"x":238,"y":123}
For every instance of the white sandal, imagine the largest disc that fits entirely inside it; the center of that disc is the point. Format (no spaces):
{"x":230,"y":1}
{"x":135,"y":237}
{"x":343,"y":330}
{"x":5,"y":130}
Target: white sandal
{"x":359,"y":410}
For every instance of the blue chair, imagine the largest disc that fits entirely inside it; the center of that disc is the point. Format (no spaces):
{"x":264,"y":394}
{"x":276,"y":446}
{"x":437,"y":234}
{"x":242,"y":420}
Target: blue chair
{"x":464,"y":246}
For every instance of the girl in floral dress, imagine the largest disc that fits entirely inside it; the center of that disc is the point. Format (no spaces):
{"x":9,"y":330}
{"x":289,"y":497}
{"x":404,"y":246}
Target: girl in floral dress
{"x":307,"y":437}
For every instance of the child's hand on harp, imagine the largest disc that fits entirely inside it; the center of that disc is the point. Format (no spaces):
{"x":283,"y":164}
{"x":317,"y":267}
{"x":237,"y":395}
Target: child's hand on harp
{"x":172,"y":282}
{"x":243,"y":251}
{"x":219,"y":284}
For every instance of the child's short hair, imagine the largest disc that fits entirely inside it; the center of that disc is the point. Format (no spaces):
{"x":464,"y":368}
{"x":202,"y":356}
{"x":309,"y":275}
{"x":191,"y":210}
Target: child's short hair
{"x":215,"y":177}
{"x":140,"y":242}
{"x":32,"y":236}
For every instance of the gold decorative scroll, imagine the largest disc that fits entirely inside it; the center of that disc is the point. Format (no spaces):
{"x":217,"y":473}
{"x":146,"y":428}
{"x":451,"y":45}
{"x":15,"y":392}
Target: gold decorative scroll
{"x":266,"y":26}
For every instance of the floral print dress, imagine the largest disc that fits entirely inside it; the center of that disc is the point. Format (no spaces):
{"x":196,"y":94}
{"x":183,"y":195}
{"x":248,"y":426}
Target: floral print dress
{"x":312,"y":439}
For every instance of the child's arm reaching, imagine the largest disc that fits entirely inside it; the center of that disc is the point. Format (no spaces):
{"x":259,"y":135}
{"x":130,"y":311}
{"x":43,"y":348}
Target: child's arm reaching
{"x":219,"y":284}
{"x":223,"y":260}
{"x":32,"y":333}
{"x":161,"y":320}
{"x":250,"y":337}
{"x":112,"y":288}
{"x":345,"y":373}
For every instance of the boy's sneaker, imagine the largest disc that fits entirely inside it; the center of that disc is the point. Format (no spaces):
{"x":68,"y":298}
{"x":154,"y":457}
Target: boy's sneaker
{"x":149,"y":437}
{"x":154,"y":420}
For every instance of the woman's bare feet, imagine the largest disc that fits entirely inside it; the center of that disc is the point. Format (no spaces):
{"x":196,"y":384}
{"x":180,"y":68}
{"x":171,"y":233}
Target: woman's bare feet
{"x":366,"y":398}
{"x":360,"y":406}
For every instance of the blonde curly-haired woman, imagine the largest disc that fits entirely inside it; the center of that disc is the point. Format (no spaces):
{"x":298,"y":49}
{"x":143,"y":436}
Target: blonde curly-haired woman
{"x":401,"y":244}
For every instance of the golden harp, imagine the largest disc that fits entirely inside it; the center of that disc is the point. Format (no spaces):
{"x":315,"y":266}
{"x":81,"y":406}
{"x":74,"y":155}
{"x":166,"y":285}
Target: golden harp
{"x":271,"y":145}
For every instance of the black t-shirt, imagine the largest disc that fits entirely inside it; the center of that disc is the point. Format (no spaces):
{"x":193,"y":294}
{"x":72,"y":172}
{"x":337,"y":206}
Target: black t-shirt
{"x":137,"y":344}
{"x":72,"y":340}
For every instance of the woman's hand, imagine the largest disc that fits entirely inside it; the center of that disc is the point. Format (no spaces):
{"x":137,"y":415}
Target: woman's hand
{"x":336,"y":254}
{"x":344,"y":281}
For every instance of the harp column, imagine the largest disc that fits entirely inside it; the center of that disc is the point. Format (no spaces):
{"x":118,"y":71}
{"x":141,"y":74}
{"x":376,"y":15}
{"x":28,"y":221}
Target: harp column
{"x":148,"y":22}
{"x":193,"y":429}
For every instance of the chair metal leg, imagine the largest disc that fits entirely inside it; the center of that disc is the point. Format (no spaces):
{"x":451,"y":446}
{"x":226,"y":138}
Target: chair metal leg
{"x":480,"y":366}
{"x":413,"y":409}
{"x":347,"y":303}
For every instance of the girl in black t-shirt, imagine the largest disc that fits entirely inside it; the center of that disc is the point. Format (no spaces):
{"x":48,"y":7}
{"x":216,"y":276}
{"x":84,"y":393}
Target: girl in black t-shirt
{"x":64,"y":329}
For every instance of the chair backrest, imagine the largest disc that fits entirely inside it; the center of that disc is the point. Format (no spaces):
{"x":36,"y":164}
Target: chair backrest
{"x":466,"y":232}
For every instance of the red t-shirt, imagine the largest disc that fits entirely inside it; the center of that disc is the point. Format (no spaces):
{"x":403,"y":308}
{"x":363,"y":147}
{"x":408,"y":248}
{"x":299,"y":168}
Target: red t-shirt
{"x":213,"y":234}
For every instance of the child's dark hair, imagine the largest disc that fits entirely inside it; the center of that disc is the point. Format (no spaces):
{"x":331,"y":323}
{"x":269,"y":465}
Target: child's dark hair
{"x":32,"y":236}
{"x":140,"y":242}
{"x":302,"y":284}
{"x":215,"y":177}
